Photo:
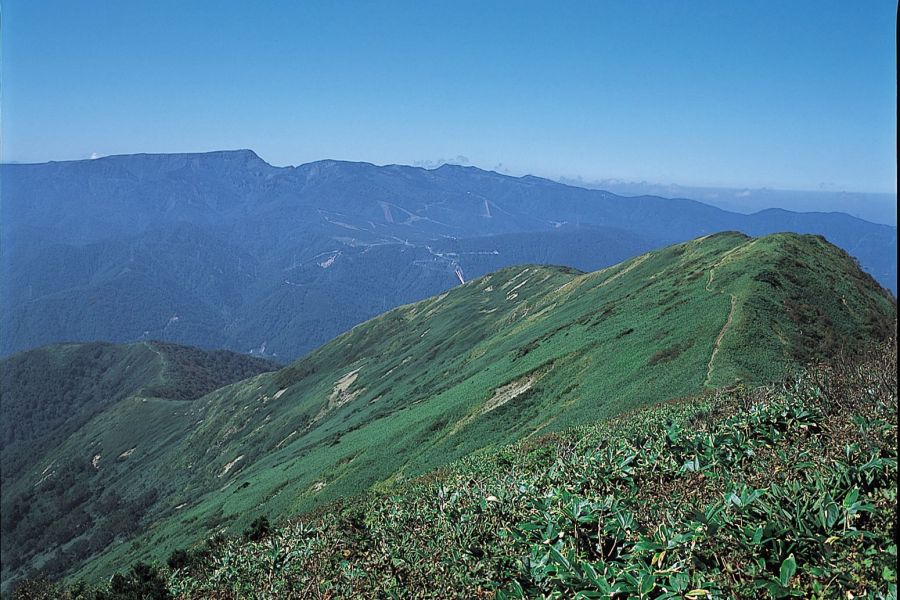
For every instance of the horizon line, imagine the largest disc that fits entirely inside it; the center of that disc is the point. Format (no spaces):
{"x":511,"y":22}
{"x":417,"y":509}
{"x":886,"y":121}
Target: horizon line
{"x":573,"y":181}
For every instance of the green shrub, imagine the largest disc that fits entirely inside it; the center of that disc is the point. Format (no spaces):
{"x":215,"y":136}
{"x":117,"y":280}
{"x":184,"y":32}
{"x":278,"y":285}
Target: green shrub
{"x":143,"y":582}
{"x":259,"y":529}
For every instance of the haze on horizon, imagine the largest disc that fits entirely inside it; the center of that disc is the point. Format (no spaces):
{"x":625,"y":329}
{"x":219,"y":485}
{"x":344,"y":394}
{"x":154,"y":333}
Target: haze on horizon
{"x":794,"y":95}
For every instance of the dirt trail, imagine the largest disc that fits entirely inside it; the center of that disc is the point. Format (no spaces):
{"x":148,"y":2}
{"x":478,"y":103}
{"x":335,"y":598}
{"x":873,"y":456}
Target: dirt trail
{"x":724,"y":258}
{"x":712,"y":271}
{"x":162,"y":357}
{"x":712,"y":358}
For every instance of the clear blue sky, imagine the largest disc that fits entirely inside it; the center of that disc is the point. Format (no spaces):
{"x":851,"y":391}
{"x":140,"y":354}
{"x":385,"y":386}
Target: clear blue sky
{"x":784,"y":94}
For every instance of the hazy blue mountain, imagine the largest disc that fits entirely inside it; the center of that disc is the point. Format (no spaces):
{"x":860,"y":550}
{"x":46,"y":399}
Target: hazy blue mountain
{"x":877,"y":207}
{"x":224,"y":250}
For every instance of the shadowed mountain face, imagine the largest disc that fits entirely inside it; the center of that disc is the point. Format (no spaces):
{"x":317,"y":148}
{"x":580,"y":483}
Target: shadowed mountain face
{"x":523,"y":351}
{"x":225,"y":250}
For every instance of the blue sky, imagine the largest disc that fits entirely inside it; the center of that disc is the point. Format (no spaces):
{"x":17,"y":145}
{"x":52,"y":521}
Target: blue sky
{"x":785,"y":94}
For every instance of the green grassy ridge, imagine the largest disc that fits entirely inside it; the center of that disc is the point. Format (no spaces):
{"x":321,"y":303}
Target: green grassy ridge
{"x":782,"y":490}
{"x":432,"y":382}
{"x":696,"y":480}
{"x":73,"y":400}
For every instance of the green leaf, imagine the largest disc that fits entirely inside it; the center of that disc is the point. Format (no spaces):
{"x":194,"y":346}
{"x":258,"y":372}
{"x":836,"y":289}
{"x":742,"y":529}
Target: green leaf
{"x":560,"y":559}
{"x":788,"y":568}
{"x":679,"y":582}
{"x":648,"y":582}
{"x":758,"y":535}
{"x":644,"y":545}
{"x":586,"y":594}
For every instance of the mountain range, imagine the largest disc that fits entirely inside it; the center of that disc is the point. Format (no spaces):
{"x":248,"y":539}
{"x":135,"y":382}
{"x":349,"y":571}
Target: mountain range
{"x":150,"y":447}
{"x":877,"y":207}
{"x":222,"y":250}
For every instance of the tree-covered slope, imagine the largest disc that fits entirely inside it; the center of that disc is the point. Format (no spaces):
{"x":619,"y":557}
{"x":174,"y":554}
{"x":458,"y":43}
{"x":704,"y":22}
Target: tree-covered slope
{"x":521,"y":352}
{"x":50,"y":394}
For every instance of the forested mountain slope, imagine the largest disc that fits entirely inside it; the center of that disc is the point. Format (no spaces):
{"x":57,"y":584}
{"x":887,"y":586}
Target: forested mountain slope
{"x":49,"y":395}
{"x":224,"y":250}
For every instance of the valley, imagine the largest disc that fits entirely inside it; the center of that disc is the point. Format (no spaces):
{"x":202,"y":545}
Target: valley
{"x":223,"y":250}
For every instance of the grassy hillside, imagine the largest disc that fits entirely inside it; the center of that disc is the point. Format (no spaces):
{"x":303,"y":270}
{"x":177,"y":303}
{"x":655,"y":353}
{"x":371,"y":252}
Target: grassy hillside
{"x":516,"y":354}
{"x":49,"y":398}
{"x":784,"y":490}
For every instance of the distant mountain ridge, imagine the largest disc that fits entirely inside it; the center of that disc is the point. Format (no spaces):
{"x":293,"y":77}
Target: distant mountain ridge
{"x":224,"y":250}
{"x":877,"y":207}
{"x":523,"y":351}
